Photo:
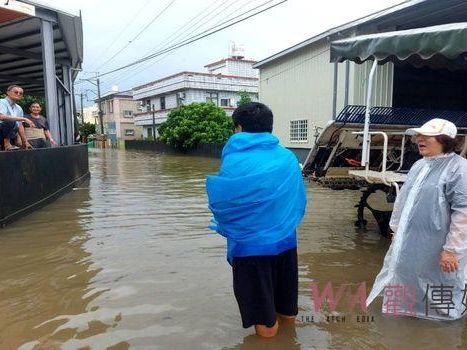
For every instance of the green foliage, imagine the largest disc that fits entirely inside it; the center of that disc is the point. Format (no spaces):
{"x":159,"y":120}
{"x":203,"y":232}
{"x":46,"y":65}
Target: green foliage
{"x":197,"y":123}
{"x":245,"y":98}
{"x":27,"y":100}
{"x":87,"y":129}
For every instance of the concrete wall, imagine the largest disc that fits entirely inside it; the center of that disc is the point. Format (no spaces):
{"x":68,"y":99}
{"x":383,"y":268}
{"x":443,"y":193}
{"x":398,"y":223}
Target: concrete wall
{"x":211,"y":150}
{"x":30,"y":179}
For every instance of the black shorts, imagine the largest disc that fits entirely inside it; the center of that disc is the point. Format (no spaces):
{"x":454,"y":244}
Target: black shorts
{"x":266,"y":285}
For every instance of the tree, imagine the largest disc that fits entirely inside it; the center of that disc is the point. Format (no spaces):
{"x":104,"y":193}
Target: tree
{"x":245,"y":98}
{"x":196,"y":123}
{"x":86,"y":129}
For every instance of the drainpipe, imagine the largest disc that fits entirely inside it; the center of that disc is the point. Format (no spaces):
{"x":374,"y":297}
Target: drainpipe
{"x":334,"y":96}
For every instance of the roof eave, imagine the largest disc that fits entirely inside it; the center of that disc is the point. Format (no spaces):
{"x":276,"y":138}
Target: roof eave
{"x":336,"y":30}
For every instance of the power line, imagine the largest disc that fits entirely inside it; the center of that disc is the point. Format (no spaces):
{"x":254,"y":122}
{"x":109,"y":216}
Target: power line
{"x":170,"y":39}
{"x":137,"y":35}
{"x":136,"y":71}
{"x":197,"y":37}
{"x":218,"y":24}
{"x":193,"y":27}
{"x":124,"y":28}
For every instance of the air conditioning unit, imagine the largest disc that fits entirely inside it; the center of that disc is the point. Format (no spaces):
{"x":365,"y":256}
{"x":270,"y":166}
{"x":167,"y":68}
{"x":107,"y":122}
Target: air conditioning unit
{"x":181,"y":95}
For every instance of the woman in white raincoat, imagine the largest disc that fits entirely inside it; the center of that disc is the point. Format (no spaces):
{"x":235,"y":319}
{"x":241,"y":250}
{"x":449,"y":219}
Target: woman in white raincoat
{"x":425,"y":269}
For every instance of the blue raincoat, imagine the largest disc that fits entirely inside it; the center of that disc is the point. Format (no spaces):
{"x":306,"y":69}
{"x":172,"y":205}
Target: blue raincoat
{"x":258,"y":198}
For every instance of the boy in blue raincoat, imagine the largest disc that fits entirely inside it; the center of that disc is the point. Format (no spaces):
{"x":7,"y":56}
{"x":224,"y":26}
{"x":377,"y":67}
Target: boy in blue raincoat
{"x":258,"y":199}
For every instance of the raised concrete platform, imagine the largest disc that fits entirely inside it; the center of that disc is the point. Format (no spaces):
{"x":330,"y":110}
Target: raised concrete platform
{"x":31,"y":179}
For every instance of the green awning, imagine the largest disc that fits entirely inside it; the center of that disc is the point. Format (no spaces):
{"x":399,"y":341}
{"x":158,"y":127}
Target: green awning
{"x":443,"y":46}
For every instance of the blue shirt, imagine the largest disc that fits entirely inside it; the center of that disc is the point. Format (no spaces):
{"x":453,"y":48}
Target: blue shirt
{"x":10,"y":108}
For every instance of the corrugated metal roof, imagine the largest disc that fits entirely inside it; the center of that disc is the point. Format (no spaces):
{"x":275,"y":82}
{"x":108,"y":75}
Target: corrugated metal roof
{"x":399,"y":116}
{"x":407,"y":15}
{"x":21,"y":61}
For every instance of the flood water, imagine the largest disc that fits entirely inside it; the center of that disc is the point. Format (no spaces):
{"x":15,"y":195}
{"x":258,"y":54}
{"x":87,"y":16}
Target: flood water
{"x":126,"y":262}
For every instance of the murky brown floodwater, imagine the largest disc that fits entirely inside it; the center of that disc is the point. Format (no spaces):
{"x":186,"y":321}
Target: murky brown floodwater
{"x":127,"y":262}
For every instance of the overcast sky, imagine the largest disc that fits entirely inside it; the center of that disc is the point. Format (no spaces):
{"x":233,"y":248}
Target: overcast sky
{"x":109,"y":25}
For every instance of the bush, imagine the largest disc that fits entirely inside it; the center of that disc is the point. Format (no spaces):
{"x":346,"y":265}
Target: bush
{"x":87,"y":129}
{"x":194,"y":124}
{"x":245,"y":98}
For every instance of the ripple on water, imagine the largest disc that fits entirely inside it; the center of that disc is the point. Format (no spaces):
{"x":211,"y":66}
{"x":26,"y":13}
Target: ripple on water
{"x":126,"y":261}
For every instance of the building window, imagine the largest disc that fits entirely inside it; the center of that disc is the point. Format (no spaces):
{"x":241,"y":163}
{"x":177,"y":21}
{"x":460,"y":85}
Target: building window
{"x":129,"y":132}
{"x":148,"y":105}
{"x":110,"y":106}
{"x":180,"y":98}
{"x":162,"y":102}
{"x":149,"y":132}
{"x":225,"y":102}
{"x":298,"y":130}
{"x":127,"y":114}
{"x":212,"y":97}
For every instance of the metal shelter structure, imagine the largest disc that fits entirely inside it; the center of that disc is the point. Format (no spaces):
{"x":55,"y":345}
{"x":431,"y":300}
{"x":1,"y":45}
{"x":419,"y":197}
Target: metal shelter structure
{"x":41,"y":50}
{"x":442,"y":46}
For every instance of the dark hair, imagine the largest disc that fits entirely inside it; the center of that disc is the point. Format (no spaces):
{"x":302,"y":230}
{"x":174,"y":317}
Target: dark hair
{"x":448,"y":143}
{"x":253,"y":117}
{"x":33,"y":103}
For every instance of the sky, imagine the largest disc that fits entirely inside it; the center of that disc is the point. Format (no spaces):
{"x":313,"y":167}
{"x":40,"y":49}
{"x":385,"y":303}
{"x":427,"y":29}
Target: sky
{"x":110,"y":25}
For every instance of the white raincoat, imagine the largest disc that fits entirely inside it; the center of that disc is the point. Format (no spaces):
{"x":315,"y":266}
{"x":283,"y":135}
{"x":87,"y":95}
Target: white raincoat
{"x":430,"y":214}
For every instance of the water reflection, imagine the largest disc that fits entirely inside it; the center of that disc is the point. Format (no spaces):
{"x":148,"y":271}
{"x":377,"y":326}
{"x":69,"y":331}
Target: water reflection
{"x":127,"y":262}
{"x":44,"y":272}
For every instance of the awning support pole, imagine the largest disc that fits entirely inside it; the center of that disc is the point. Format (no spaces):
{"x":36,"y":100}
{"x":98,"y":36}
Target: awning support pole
{"x":366,"y":129}
{"x":69,"y":115}
{"x":50,"y":85}
{"x":347,"y":83}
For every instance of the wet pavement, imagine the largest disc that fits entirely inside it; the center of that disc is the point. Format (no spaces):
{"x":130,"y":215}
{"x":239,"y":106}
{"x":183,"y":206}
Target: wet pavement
{"x":126,"y":262}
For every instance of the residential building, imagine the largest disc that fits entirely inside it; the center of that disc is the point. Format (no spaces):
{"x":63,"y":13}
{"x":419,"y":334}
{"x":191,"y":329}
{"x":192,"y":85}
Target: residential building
{"x":90,"y":114}
{"x":118,"y":110}
{"x":306,"y":91}
{"x":220,"y":84}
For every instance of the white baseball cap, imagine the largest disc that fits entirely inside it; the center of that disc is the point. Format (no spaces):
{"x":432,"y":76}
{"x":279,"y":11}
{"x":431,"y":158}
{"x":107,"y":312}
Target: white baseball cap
{"x":435,"y":127}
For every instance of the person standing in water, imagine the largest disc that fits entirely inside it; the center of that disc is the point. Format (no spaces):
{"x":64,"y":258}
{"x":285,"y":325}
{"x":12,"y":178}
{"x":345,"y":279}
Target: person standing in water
{"x":258,"y":199}
{"x":429,"y":221}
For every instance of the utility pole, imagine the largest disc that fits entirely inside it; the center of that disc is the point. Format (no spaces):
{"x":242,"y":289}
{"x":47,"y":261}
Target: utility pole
{"x":101,"y":119}
{"x":153,"y":122}
{"x":82,"y":111}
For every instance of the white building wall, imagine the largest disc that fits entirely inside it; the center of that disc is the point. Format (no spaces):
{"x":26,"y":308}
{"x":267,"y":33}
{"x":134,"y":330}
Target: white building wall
{"x":90,"y":114}
{"x":301,"y":85}
{"x":170,"y":101}
{"x":382,"y":86}
{"x":197,"y":81}
{"x":241,"y":68}
{"x":200,"y":96}
{"x":220,"y":68}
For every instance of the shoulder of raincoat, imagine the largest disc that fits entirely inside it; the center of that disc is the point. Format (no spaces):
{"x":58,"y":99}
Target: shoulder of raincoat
{"x":258,"y":198}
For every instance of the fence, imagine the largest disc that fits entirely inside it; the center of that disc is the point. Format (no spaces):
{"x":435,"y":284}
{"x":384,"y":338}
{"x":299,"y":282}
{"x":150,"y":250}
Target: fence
{"x":209,"y":150}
